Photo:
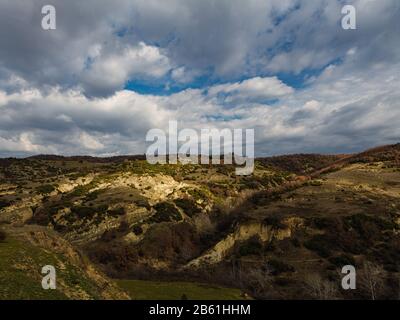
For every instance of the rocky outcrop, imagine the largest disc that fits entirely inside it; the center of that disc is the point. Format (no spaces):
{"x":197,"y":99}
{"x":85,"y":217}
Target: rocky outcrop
{"x":244,"y":232}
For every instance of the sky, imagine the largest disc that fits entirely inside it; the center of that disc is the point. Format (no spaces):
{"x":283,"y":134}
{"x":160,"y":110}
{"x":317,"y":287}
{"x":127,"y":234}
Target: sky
{"x":113,"y":70}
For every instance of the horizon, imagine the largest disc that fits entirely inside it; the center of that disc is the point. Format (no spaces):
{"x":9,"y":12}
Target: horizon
{"x":199,"y":155}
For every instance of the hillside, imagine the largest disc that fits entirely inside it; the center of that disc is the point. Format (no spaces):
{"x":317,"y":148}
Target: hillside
{"x":282,"y":233}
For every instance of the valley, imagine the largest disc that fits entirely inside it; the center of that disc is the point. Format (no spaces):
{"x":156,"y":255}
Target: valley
{"x":121,"y":228}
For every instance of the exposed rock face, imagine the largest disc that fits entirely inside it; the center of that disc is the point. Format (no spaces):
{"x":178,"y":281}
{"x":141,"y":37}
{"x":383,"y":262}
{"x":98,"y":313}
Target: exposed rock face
{"x":81,"y":181}
{"x":21,"y":212}
{"x":244,"y":232}
{"x":156,"y":188}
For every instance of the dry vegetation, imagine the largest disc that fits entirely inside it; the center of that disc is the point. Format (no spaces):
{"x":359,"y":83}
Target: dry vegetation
{"x":282,"y":233}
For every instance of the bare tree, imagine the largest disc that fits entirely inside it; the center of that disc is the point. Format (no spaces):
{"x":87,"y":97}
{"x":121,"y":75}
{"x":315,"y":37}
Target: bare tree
{"x":372,"y":279}
{"x":259,"y":281}
{"x":320,"y":289}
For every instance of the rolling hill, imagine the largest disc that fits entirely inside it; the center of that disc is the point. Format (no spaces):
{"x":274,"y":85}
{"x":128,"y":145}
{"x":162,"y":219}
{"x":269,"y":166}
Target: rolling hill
{"x":283,"y":233}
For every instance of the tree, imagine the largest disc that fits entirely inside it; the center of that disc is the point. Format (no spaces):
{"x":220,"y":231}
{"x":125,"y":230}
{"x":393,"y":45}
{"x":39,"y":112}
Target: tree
{"x":259,"y":281}
{"x":372,"y":279}
{"x":319,"y":288}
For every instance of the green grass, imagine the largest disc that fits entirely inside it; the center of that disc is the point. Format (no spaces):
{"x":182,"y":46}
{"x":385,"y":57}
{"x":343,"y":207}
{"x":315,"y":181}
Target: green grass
{"x":155,"y":290}
{"x":20,"y":273}
{"x":20,"y":276}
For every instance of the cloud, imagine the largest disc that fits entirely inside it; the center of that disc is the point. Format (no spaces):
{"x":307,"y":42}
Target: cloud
{"x":338,"y":112}
{"x":227,"y":38}
{"x":23,"y":143}
{"x":89,"y":142}
{"x":252,"y":89}
{"x":234,"y":63}
{"x":109,"y":73}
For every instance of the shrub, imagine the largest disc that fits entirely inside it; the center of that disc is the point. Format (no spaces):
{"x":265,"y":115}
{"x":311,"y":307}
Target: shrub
{"x":279,"y":267}
{"x":363,"y":224}
{"x":92,"y":195}
{"x":324,"y":223}
{"x":175,"y":242}
{"x":84,"y":212}
{"x":166,"y":212}
{"x":123,"y":227}
{"x":320,"y":244}
{"x":117,"y":212}
{"x":275,"y":222}
{"x":342,"y":260}
{"x":188,"y":206}
{"x":199,"y":194}
{"x":3,"y":236}
{"x":314,"y":183}
{"x":253,"y":246}
{"x":137,"y":230}
{"x":143,"y":202}
{"x":4,"y":204}
{"x":80,"y":191}
{"x":45,"y":189}
{"x":296,"y":242}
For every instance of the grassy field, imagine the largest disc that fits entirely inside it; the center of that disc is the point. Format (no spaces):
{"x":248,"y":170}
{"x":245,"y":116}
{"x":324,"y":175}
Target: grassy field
{"x":154,"y":290}
{"x":21,"y":279}
{"x":20,"y":276}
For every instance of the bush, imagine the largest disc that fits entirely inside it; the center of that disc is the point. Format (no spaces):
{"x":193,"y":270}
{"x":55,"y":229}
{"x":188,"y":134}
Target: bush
{"x":3,"y":236}
{"x":84,"y":212}
{"x":188,"y":206}
{"x":320,"y":244}
{"x":342,"y":260}
{"x":275,"y":222}
{"x":92,"y":195}
{"x":137,"y":230}
{"x":143,"y":202}
{"x":45,"y":189}
{"x":199,"y":194}
{"x":166,"y":212}
{"x":314,"y":183}
{"x":279,"y":267}
{"x":4,"y":204}
{"x":366,"y":225}
{"x":324,"y":223}
{"x":253,"y":246}
{"x":117,"y":212}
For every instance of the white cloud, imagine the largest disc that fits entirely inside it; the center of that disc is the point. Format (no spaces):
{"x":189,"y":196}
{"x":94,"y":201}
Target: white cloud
{"x":255,"y":88}
{"x":23,"y":143}
{"x":182,"y":75}
{"x":336,"y":112}
{"x":89,"y":142}
{"x":109,"y":73}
